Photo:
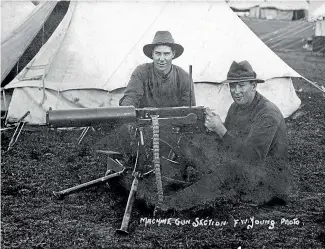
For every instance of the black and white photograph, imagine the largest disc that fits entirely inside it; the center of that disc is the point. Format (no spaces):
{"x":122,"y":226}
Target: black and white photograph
{"x":163,"y":124}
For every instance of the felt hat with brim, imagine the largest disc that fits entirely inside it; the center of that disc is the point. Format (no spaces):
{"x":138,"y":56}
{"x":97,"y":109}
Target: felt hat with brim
{"x":163,"y":38}
{"x":240,"y":72}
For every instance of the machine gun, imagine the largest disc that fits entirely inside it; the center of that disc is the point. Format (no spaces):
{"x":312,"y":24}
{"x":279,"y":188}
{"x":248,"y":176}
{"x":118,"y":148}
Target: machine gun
{"x":188,"y":119}
{"x":180,"y":120}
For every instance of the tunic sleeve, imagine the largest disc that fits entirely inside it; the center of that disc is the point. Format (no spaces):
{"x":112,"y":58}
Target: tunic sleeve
{"x":258,"y":142}
{"x":134,"y":90}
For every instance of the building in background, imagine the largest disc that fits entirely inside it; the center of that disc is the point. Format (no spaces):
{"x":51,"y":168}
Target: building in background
{"x":246,"y":8}
{"x":284,"y":10}
{"x":318,"y":16}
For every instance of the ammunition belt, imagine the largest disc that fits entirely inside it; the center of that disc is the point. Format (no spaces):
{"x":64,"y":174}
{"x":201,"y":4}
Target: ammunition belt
{"x":156,"y":159}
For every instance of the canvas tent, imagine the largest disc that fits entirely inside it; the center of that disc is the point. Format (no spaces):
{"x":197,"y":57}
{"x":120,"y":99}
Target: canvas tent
{"x":20,"y":23}
{"x":313,"y":6}
{"x":318,"y":16}
{"x":13,"y":14}
{"x":284,"y":9}
{"x":88,"y":60}
{"x":249,"y":8}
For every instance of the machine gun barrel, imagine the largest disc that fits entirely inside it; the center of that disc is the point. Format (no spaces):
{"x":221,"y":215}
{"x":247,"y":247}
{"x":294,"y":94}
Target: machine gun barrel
{"x":188,"y":117}
{"x":83,"y":117}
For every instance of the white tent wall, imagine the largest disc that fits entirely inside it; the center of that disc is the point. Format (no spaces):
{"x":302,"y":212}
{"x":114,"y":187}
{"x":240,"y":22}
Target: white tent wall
{"x":89,"y":59}
{"x":254,"y":12}
{"x":320,"y":28}
{"x":215,"y":96}
{"x":20,"y":23}
{"x":275,"y":14}
{"x":278,"y":90}
{"x":39,"y":100}
{"x":14,"y":13}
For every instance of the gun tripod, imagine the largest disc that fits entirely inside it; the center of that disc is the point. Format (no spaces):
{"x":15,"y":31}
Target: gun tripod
{"x":116,"y":169}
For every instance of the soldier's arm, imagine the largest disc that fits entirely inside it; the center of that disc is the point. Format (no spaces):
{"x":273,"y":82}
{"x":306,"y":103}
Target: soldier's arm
{"x":134,"y":90}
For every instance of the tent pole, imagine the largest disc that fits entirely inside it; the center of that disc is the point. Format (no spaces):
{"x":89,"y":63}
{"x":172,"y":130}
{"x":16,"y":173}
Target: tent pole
{"x":190,"y":73}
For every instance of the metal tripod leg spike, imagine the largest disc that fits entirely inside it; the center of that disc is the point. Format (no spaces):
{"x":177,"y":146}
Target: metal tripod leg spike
{"x":127,"y":213}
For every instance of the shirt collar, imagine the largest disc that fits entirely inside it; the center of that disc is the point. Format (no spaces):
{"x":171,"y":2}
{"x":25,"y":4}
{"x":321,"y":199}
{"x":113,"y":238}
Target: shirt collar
{"x":160,"y":74}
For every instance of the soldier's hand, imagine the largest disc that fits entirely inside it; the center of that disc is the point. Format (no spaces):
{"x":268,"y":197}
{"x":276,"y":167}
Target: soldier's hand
{"x":213,"y":123}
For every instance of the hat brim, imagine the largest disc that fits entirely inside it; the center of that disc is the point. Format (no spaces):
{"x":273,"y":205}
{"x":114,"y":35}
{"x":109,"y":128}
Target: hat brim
{"x":147,"y":49}
{"x":241,"y":80}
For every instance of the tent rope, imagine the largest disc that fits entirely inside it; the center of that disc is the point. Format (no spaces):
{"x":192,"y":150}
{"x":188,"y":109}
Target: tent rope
{"x":286,"y":41}
{"x":283,"y":37}
{"x":322,"y":89}
{"x":283,"y":31}
{"x":275,"y":32}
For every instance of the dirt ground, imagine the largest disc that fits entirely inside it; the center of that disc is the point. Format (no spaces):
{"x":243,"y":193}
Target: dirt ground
{"x":282,"y":35}
{"x":45,"y":160}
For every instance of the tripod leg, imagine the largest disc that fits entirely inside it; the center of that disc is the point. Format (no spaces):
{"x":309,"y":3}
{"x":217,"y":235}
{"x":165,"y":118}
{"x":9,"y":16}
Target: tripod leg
{"x":61,"y":194}
{"x":128,"y":209}
{"x":82,"y":135}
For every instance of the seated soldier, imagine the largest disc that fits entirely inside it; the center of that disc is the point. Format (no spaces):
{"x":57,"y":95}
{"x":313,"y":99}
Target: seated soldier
{"x":254,"y":126}
{"x":157,"y":84}
{"x":160,"y":83}
{"x":254,"y":136}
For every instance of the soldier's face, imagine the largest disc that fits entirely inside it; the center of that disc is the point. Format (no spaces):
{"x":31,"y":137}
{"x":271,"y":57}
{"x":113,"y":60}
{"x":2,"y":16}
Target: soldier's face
{"x":243,"y":93}
{"x":162,"y":58}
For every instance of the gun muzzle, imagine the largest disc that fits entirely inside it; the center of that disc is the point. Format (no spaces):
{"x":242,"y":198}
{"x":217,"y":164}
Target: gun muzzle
{"x":128,"y":209}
